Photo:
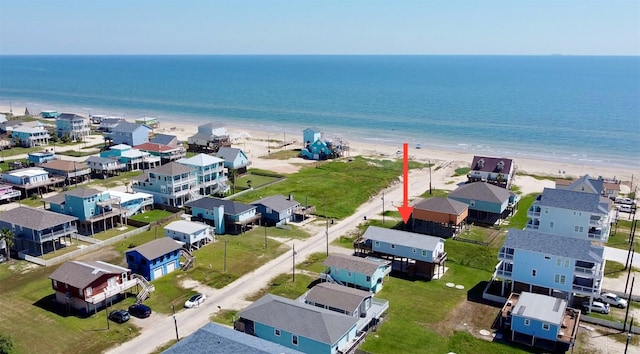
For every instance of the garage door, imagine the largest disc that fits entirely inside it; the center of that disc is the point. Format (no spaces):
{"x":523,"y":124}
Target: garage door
{"x":171,"y":267}
{"x":157,"y":273}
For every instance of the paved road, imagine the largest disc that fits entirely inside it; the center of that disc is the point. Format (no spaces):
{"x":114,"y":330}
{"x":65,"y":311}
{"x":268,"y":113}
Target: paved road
{"x":190,"y":320}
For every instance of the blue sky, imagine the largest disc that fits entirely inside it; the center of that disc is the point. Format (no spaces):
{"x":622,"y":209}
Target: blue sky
{"x":578,"y":27}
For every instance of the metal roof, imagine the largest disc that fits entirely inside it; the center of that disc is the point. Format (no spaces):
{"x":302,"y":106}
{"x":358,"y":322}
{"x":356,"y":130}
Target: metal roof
{"x":200,"y":160}
{"x":402,"y":238}
{"x":186,"y":226}
{"x":540,"y":307}
{"x":277,"y":202}
{"x":354,"y":264}
{"x":337,"y":296}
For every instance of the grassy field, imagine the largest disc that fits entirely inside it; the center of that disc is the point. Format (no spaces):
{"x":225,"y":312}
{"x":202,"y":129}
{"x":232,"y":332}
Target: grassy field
{"x":343,"y":192}
{"x":119,"y":180}
{"x":619,"y":236}
{"x":151,"y":215}
{"x":519,"y":220}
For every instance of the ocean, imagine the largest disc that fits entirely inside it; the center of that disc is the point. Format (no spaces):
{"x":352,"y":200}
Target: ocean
{"x":578,"y":109}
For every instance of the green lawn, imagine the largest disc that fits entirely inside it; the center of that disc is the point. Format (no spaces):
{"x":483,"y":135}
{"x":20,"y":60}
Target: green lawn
{"x":619,"y":235}
{"x":119,"y":180}
{"x":255,"y":180}
{"x":283,"y":154}
{"x":343,"y":191}
{"x":435,"y":193}
{"x":519,"y":220}
{"x":462,"y":171}
{"x":105,"y":235}
{"x":64,"y":250}
{"x":151,"y":215}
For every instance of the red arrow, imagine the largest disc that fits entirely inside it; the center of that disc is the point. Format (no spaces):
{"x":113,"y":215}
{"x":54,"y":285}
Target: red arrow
{"x":405,"y":210}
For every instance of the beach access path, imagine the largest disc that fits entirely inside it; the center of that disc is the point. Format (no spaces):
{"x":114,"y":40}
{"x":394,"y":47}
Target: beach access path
{"x":190,"y":320}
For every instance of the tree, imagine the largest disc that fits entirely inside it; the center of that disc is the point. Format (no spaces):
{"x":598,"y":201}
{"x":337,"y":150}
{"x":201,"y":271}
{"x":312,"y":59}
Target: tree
{"x":126,"y":184}
{"x":232,"y":177}
{"x":7,"y":236}
{"x":6,"y":344}
{"x":249,"y":183}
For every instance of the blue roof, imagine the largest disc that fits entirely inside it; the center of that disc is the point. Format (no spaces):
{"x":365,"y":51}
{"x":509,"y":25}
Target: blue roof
{"x":216,"y":338}
{"x":572,"y":200}
{"x":128,"y":127}
{"x":163,"y":139}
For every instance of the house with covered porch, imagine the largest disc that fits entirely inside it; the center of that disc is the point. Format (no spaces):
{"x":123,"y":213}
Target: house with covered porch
{"x":192,"y":234}
{"x":209,"y":171}
{"x":73,"y":172}
{"x":278,"y":209}
{"x":103,"y":167}
{"x":172,"y":184}
{"x":438,"y":216}
{"x":38,"y":231}
{"x":166,"y":153}
{"x":26,"y":180}
{"x":235,"y":160}
{"x":488,"y":204}
{"x":155,"y":258}
{"x":74,"y":126}
{"x":360,"y":273}
{"x":226,"y":216}
{"x":495,"y":170}
{"x":133,"y":159}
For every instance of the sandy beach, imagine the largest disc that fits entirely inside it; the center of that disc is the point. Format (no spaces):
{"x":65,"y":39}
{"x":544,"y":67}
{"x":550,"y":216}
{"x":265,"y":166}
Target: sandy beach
{"x":256,"y":143}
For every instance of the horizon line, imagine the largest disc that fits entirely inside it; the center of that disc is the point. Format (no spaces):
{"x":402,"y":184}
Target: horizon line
{"x":316,"y":54}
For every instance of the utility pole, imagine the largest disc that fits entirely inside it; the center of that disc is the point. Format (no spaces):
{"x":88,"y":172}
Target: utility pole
{"x":175,"y":321}
{"x":326,"y":232}
{"x":430,"y":191}
{"x":629,"y":272}
{"x":624,"y":325}
{"x":265,"y":235}
{"x":382,"y":207}
{"x":294,"y":263}
{"x":225,"y":256}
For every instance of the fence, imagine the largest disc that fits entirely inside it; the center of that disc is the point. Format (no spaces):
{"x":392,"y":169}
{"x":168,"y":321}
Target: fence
{"x":86,"y":249}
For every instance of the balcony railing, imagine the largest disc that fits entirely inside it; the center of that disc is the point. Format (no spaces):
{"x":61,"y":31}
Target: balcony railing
{"x":48,"y":236}
{"x":110,"y":291}
{"x":586,"y":290}
{"x":533,"y":214}
{"x":505,"y":255}
{"x":598,"y":221}
{"x":589,"y":272}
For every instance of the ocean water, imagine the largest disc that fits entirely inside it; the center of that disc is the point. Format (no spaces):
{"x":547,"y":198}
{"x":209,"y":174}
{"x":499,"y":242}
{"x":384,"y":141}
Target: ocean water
{"x":577,"y":109}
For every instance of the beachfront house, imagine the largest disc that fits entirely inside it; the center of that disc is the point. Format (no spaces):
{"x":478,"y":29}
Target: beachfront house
{"x":133,"y":159}
{"x":74,"y":126}
{"x":95,"y":210}
{"x":235,"y":160}
{"x":7,"y":193}
{"x":362,"y":273}
{"x":216,"y":338}
{"x":494,"y":170}
{"x":209,"y":138}
{"x":488,"y":204}
{"x":87,"y":286}
{"x":38,"y":231}
{"x":438,"y":216}
{"x":554,"y":265}
{"x":128,"y":133}
{"x":150,"y":122}
{"x":310,"y":135}
{"x":166,"y":153}
{"x":192,"y":234}
{"x":300,"y":326}
{"x":73,"y":172}
{"x":224,"y":215}
{"x":155,"y":258}
{"x":540,"y":321}
{"x":172,"y":184}
{"x":277,"y":209}
{"x":49,"y":114}
{"x":349,"y":301}
{"x":103,"y":167}
{"x":570,"y":213}
{"x":108,"y":123}
{"x":324,"y":149}
{"x":209,"y":170}
{"x":30,"y":136}
{"x":416,"y":254}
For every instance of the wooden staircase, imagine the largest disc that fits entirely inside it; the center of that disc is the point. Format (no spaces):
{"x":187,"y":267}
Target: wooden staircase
{"x":190,"y":259}
{"x":147,"y":287}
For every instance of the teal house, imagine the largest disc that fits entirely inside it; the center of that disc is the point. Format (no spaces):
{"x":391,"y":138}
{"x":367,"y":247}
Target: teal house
{"x":299,"y":326}
{"x":234,"y":159}
{"x":96,"y":210}
{"x":310,"y":135}
{"x":488,"y":204}
{"x":361,"y":273}
{"x":226,"y":216}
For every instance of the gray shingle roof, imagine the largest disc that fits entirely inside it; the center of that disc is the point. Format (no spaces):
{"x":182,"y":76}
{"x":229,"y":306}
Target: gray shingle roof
{"x":82,"y":192}
{"x":63,"y":165}
{"x":163,"y":139}
{"x":128,"y":127}
{"x":81,"y":274}
{"x":562,"y":246}
{"x":402,"y":238}
{"x":211,"y":125}
{"x":157,"y":248}
{"x":186,"y":226}
{"x":55,"y":199}
{"x":201,"y":136}
{"x":352,"y":263}
{"x":228,"y":153}
{"x":277,"y":202}
{"x":230,"y":207}
{"x":572,"y":200}
{"x":482,"y":192}
{"x":34,"y":219}
{"x":100,"y":160}
{"x":540,"y":307}
{"x":337,"y":296}
{"x":442,"y":205}
{"x":299,"y":318}
{"x":216,"y":338}
{"x":171,"y":169}
{"x":69,"y":117}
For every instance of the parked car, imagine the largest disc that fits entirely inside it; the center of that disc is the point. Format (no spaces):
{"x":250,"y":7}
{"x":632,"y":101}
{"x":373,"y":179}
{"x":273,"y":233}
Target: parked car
{"x":624,"y":200}
{"x":612,"y":299}
{"x":195,"y":300}
{"x":625,"y":208}
{"x":119,"y":316}
{"x":140,"y":310}
{"x":596,"y":306}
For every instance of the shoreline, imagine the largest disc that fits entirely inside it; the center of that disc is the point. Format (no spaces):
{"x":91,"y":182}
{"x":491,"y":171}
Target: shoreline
{"x":567,"y":166}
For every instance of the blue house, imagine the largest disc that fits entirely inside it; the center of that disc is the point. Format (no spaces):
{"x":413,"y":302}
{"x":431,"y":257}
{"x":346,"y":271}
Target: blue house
{"x":410,"y":252}
{"x":132,"y":158}
{"x":41,"y":156}
{"x":72,"y":125}
{"x":216,"y":338}
{"x":234,"y":159}
{"x":209,"y":170}
{"x":171,"y":184}
{"x":310,"y":135}
{"x":540,"y":320}
{"x":277,"y":209}
{"x":488,"y":204}
{"x":38,"y":231}
{"x":361,"y":273}
{"x":133,"y":203}
{"x":556,"y":265}
{"x":30,"y":136}
{"x":224,"y":215}
{"x":155,"y":259}
{"x":96,"y":210}
{"x":26,"y":176}
{"x":300,"y":326}
{"x":129,"y":133}
{"x":192,"y":234}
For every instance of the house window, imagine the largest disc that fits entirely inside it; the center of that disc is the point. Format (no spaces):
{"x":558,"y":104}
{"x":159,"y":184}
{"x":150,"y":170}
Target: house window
{"x":414,"y":250}
{"x":130,"y":258}
{"x":377,"y":243}
{"x":547,"y":257}
{"x":527,"y":322}
{"x":546,"y":210}
{"x":545,"y":326}
{"x":559,"y":279}
{"x":472,"y":203}
{"x":566,"y":263}
{"x":368,"y":278}
{"x":424,"y":253}
{"x":348,"y":274}
{"x":576,"y":228}
{"x":551,"y":224}
{"x":558,"y":262}
{"x":533,"y":272}
{"x":294,"y":339}
{"x":276,"y":332}
{"x":393,"y":246}
{"x":55,"y":283}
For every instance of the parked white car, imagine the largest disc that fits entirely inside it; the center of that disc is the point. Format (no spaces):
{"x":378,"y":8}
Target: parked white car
{"x":195,"y":301}
{"x":596,"y":306}
{"x":612,"y":299}
{"x":624,"y":200}
{"x":625,"y":208}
